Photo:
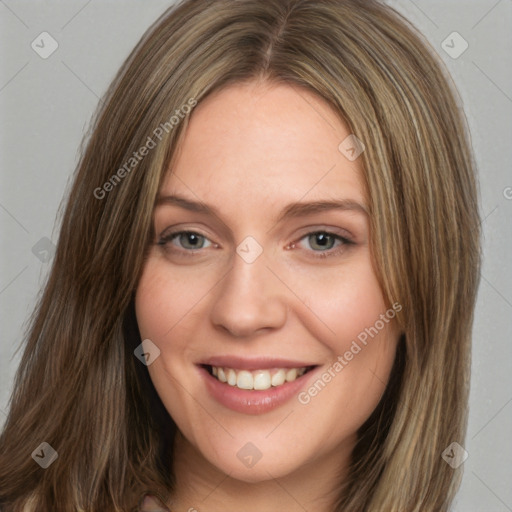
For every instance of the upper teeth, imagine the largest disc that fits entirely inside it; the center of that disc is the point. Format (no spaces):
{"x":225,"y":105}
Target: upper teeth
{"x":257,"y":379}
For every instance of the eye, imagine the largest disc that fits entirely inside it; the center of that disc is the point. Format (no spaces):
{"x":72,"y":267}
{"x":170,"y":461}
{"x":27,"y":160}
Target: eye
{"x":324,"y":243}
{"x":187,"y":240}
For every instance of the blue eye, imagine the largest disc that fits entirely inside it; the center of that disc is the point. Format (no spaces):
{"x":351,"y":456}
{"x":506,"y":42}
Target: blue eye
{"x":325,"y":241}
{"x":189,"y":239}
{"x":322,"y":240}
{"x":322,"y":243}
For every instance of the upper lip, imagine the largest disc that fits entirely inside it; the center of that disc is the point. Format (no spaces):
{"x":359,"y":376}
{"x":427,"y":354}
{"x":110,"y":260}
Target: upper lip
{"x":255,"y":363}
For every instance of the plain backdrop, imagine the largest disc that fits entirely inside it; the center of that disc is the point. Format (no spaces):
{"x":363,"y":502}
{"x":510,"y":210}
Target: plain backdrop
{"x":46,"y":105}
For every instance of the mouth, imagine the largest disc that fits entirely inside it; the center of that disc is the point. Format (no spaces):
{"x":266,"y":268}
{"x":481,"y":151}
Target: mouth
{"x":256,"y":380}
{"x":254,"y":386}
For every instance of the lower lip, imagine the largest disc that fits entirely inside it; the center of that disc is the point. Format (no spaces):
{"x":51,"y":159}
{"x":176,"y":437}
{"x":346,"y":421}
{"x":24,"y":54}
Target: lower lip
{"x":252,"y":401}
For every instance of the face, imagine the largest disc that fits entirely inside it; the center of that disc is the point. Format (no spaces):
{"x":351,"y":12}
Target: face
{"x":247,"y":283}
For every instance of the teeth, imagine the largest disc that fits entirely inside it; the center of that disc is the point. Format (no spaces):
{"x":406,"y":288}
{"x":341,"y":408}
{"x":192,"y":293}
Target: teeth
{"x":291,"y":375}
{"x":279,"y":378}
{"x":244,"y":380}
{"x":261,"y":380}
{"x":231,"y":377}
{"x":258,"y":379}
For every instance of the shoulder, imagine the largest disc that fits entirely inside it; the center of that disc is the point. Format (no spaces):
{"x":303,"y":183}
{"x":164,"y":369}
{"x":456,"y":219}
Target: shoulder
{"x":151,"y":503}
{"x":29,"y":505}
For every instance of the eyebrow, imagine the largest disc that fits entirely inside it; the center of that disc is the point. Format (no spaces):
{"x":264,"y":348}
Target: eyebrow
{"x":292,"y":210}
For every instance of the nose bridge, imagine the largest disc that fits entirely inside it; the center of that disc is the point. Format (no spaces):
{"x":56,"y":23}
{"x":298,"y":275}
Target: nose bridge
{"x":250,"y":297}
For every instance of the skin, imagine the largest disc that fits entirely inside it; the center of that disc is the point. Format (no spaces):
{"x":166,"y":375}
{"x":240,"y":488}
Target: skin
{"x":251,"y":149}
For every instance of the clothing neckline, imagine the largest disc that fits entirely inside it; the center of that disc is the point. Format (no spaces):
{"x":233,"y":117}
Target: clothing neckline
{"x":150,"y":503}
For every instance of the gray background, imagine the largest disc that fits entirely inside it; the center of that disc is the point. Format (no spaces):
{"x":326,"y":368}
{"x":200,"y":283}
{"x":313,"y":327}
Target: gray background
{"x":46,"y":105}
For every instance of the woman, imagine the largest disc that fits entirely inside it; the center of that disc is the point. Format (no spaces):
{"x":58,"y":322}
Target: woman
{"x":195,"y":344}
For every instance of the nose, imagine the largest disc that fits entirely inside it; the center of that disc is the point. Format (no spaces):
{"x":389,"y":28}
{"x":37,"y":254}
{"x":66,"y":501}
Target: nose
{"x":250,"y":299}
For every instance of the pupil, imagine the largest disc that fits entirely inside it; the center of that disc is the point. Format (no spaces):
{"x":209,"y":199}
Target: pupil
{"x":322,"y":239}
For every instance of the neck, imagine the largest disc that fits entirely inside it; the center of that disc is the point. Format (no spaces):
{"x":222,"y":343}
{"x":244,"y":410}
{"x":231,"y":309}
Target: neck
{"x":202,"y":487}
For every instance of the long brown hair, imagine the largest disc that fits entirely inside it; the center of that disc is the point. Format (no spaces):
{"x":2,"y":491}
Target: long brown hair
{"x":79,"y":386}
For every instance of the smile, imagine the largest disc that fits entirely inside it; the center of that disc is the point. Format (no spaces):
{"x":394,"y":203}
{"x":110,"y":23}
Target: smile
{"x":254,"y":386}
{"x":258,"y":379}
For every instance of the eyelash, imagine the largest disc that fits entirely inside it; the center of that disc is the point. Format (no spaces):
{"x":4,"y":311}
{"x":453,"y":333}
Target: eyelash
{"x":164,"y":240}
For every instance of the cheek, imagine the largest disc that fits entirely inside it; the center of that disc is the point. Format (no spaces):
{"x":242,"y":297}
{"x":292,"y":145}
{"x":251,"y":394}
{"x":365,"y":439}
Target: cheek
{"x":166,"y":300}
{"x":337,"y":305}
{"x":341,"y":302}
{"x":329,"y":308}
{"x":167,"y":304}
{"x":358,"y":328}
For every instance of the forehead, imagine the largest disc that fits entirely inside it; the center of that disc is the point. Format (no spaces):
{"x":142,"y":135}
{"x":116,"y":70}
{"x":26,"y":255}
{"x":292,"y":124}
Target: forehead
{"x":257,"y":143}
